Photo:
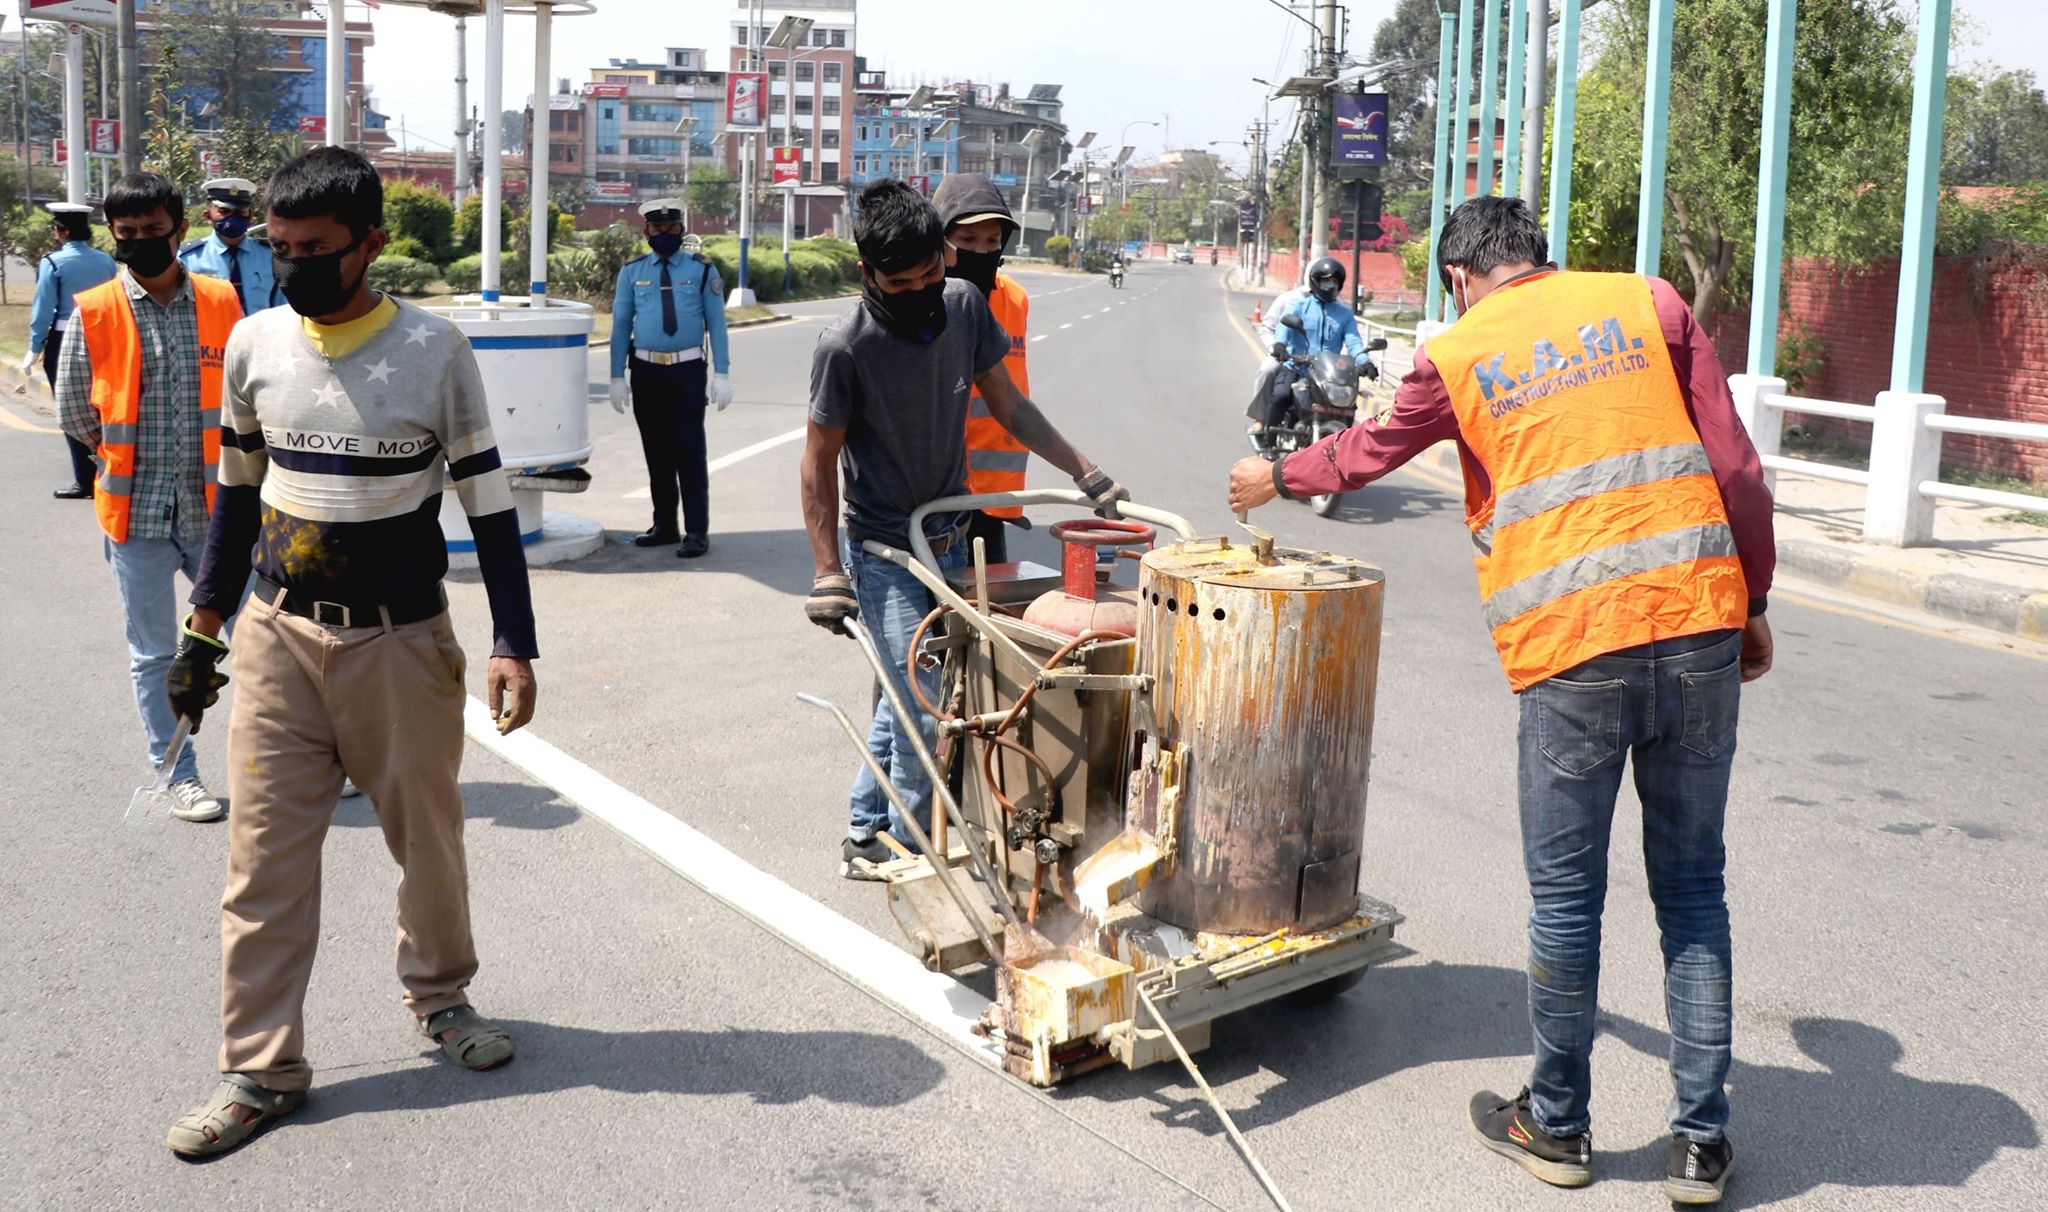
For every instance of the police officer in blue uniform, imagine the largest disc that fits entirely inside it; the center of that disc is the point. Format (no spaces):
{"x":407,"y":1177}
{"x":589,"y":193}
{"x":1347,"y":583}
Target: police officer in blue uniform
{"x":74,"y":266}
{"x":228,"y":253}
{"x":667,"y":305}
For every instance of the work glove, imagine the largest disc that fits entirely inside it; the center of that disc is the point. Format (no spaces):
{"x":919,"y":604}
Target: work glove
{"x":832,"y":603}
{"x":721,"y":391}
{"x":193,"y":683}
{"x":29,"y":360}
{"x":619,"y":396}
{"x":1279,"y":351}
{"x":1372,"y":371}
{"x":1102,"y":491}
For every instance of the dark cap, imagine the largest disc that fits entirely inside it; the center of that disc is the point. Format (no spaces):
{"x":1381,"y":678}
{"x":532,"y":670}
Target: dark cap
{"x":970,"y":198}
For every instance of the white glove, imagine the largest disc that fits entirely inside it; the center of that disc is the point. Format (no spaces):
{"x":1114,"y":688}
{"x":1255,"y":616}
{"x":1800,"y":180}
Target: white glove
{"x":619,"y":396}
{"x":29,"y":360}
{"x":721,"y":391}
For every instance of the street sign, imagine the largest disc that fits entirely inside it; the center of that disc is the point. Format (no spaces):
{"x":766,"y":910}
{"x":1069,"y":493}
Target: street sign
{"x":1248,"y":214}
{"x":106,"y":137}
{"x":212,"y":165}
{"x":745,"y":105}
{"x":1359,"y":131}
{"x":1084,"y":205}
{"x":91,"y":12}
{"x":789,"y":167}
{"x":58,"y":153}
{"x":921,"y":183}
{"x":313,"y":124}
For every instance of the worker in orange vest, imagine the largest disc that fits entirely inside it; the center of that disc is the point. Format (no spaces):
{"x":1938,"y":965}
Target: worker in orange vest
{"x":1622,"y":530}
{"x":978,"y":224}
{"x":138,"y":383}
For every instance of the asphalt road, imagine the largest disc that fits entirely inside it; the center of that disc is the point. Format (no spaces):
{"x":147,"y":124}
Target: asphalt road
{"x":1886,"y":879}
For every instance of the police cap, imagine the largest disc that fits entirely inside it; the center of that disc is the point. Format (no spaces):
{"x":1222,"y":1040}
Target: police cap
{"x":662,"y":210}
{"x":230,"y":191}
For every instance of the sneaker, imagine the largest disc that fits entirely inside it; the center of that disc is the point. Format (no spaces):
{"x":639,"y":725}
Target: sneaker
{"x":1697,"y":1173}
{"x":857,"y":860}
{"x":193,"y":802}
{"x":1507,"y":1127}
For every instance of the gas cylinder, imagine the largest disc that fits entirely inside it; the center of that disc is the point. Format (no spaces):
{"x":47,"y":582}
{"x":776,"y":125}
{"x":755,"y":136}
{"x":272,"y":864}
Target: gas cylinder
{"x":1080,"y":605}
{"x":1265,"y":664}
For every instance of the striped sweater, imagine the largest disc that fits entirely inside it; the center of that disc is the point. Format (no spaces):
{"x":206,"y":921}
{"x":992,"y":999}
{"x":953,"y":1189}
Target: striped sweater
{"x":331,"y":470}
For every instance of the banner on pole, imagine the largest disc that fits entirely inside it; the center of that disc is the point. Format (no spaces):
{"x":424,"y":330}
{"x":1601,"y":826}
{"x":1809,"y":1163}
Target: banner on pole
{"x":746,"y":101}
{"x":1360,"y":131}
{"x":106,"y":137}
{"x":313,"y":124}
{"x":212,"y":165}
{"x":789,"y":166}
{"x":59,"y":154}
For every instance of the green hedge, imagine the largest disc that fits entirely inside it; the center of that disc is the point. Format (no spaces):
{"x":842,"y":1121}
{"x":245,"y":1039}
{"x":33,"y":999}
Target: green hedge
{"x":402,"y":275}
{"x":465,"y":275}
{"x":406,"y":246}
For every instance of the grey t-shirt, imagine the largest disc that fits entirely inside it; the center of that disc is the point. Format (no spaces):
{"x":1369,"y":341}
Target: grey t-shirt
{"x":904,"y":409}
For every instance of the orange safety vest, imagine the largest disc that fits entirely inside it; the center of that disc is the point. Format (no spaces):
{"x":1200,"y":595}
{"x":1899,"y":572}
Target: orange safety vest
{"x":1602,"y":527}
{"x":116,"y":351}
{"x":996,"y":460}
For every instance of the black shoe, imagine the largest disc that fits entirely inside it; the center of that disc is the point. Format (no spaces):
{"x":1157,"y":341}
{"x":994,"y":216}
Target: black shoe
{"x":857,"y":860}
{"x":654,"y":537}
{"x":1507,"y":1127}
{"x":73,"y":492}
{"x":1697,"y":1173}
{"x":693,"y":545}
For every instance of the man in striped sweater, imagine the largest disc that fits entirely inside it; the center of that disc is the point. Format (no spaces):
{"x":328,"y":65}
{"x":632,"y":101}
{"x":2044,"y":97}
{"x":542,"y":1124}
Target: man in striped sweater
{"x":340,"y":414}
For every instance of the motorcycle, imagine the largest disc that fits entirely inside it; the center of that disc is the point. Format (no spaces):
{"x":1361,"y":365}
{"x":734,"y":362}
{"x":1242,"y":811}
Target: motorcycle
{"x":1326,"y":390}
{"x":1116,"y":276}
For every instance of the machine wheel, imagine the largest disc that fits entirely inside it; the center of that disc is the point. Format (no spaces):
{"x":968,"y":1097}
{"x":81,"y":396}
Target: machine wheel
{"x":1325,"y":991}
{"x":1326,"y":504}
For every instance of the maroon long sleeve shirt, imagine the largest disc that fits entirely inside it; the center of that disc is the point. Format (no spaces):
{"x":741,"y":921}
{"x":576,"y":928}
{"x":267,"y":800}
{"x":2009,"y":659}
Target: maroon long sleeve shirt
{"x":1423,"y":416}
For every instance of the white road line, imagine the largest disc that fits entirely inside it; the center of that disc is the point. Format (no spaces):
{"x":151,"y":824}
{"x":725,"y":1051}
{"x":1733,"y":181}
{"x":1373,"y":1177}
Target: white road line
{"x":881,"y":968}
{"x":1041,"y":336}
{"x":1066,"y":326}
{"x":727,"y":460}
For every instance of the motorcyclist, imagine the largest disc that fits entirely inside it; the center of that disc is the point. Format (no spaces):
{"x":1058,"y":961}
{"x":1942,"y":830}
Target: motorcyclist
{"x":1116,"y":265}
{"x":1327,"y":327}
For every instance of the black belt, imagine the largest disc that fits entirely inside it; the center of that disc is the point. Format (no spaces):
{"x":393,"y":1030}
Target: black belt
{"x":414,"y":607}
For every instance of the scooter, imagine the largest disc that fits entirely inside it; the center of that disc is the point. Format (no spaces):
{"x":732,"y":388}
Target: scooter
{"x":1116,"y":276}
{"x":1326,"y":388}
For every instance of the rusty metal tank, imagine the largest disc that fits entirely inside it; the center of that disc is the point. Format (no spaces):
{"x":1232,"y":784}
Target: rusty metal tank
{"x":1255,"y":768}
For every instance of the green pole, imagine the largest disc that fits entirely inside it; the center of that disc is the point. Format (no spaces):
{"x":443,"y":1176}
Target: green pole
{"x":1656,"y":125}
{"x":1462,"y":120}
{"x":1923,"y":191}
{"x":1433,"y":301}
{"x":1770,"y":187}
{"x":1489,"y":92}
{"x":1564,"y":118}
{"x":1518,"y":50}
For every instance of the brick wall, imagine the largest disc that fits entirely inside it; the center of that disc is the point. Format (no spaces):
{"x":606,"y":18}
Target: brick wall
{"x":1987,"y":348}
{"x":1379,"y":272}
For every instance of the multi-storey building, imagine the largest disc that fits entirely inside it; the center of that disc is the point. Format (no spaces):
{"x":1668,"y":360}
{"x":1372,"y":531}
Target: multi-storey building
{"x":626,"y":136}
{"x":303,"y":67}
{"x":810,"y":106}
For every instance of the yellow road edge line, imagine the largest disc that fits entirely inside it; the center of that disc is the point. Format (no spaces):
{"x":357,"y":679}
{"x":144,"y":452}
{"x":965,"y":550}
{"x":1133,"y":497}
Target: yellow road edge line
{"x":11,"y":421}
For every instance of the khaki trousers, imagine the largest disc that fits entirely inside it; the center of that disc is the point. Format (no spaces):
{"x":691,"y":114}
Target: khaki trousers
{"x":385,"y":704}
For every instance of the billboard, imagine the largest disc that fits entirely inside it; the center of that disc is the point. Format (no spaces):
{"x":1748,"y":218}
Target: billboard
{"x":1247,"y":215}
{"x":789,"y":166}
{"x":612,"y":189}
{"x":313,"y":124}
{"x":1360,"y":131}
{"x":92,"y":12}
{"x":106,"y":137}
{"x":746,"y":101}
{"x":614,"y":91}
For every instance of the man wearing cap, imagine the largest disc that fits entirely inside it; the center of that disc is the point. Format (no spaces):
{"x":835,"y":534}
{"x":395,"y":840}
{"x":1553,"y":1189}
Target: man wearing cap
{"x":664,"y":307}
{"x":978,"y":224}
{"x":227,"y":253}
{"x":73,"y":266}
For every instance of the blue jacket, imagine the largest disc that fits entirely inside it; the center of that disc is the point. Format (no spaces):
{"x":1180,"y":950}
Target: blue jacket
{"x":75,"y":266}
{"x":1327,"y":328}
{"x":700,"y":310}
{"x":259,"y":280}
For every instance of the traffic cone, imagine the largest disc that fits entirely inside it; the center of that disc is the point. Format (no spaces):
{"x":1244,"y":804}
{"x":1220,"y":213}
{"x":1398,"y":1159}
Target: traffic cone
{"x":1258,"y":312}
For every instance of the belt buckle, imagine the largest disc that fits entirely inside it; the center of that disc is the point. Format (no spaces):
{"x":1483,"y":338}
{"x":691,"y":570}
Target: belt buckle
{"x":320,"y":614}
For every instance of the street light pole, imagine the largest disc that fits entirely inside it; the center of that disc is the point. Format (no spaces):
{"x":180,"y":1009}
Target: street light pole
{"x":131,"y":90}
{"x":74,"y":111}
{"x":337,"y":74}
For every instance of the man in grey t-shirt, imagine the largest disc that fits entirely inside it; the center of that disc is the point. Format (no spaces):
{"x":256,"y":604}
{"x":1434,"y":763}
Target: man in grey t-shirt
{"x":890,"y":384}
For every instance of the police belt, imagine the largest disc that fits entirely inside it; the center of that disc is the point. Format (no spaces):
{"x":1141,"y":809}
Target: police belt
{"x":415,"y":607}
{"x":658,"y":358}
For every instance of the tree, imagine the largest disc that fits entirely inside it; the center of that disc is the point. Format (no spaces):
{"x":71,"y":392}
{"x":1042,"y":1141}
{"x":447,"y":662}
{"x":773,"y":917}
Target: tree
{"x":250,"y":150}
{"x":422,"y":213}
{"x":714,"y":195}
{"x":46,"y":91}
{"x":1409,"y":43}
{"x":167,"y":147}
{"x":1996,"y":129}
{"x":226,"y":60}
{"x":1851,"y":107}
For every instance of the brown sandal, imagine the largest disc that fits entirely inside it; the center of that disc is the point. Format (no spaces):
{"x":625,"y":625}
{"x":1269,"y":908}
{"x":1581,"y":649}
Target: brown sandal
{"x":214,"y":1127}
{"x":477,"y":1044}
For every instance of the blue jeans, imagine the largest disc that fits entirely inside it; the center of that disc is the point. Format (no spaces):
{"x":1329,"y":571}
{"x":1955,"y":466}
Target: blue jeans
{"x":892,"y":604}
{"x":1672,"y":706}
{"x":146,"y":572}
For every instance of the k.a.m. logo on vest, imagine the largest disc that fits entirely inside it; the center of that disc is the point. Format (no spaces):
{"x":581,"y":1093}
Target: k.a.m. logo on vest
{"x":1606,"y":351}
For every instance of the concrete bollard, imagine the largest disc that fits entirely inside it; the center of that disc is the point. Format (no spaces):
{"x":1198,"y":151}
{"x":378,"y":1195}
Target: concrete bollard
{"x":1765,"y":423}
{"x":1904,"y":453}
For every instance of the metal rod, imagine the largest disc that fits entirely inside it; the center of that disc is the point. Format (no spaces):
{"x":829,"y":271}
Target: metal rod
{"x":936,"y":856}
{"x":75,"y":149}
{"x":1489,"y":94}
{"x":1533,"y":86}
{"x":462,"y":183}
{"x":941,"y":794}
{"x":1433,"y":293}
{"x":1461,"y":138}
{"x":1244,"y":1147}
{"x":537,"y":224}
{"x":1770,"y":186}
{"x":131,"y":90}
{"x":1923,"y":191}
{"x":1656,"y":127}
{"x":1511,"y":143}
{"x":337,"y":73}
{"x":494,"y":149}
{"x":1564,"y":122}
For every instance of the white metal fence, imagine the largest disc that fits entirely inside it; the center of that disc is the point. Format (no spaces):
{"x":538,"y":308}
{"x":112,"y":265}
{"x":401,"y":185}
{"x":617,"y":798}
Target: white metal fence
{"x":1903,"y":479}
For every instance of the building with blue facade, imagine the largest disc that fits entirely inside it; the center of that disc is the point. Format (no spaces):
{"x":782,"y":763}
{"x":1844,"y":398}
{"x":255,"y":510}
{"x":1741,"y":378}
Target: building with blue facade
{"x":303,"y":33}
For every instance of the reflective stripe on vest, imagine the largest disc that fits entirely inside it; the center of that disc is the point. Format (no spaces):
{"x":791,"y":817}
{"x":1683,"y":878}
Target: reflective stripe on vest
{"x":106,"y":321}
{"x":996,"y":461}
{"x":1605,"y":528}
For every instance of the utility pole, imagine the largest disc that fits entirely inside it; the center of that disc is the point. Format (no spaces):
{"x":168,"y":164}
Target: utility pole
{"x":28,"y":176}
{"x":1533,"y":84}
{"x":1312,"y":163}
{"x":75,"y":143}
{"x":131,"y":92}
{"x":462,"y":185}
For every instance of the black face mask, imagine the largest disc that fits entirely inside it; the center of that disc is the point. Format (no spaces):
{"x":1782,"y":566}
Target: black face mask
{"x":147,"y":257}
{"x":976,"y":268}
{"x":665,"y":244}
{"x":915,"y":315}
{"x":312,"y":284}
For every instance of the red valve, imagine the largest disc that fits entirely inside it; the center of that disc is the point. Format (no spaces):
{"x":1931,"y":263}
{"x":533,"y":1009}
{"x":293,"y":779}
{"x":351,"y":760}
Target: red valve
{"x":1081,"y":536}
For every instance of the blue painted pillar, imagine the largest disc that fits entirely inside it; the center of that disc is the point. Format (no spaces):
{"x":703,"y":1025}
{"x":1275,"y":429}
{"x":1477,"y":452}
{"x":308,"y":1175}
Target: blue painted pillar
{"x":1433,"y":296}
{"x":1656,"y":126}
{"x":1564,"y":120}
{"x":1461,"y":119}
{"x":1923,"y":191}
{"x":1770,"y":187}
{"x":1489,"y":91}
{"x":1518,"y":50}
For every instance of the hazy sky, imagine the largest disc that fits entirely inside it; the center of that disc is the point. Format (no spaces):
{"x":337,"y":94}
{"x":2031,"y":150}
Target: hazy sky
{"x":1121,"y":61}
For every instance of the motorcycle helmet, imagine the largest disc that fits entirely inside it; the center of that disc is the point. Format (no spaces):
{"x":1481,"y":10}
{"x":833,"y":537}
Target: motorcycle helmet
{"x":1326,"y":279}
